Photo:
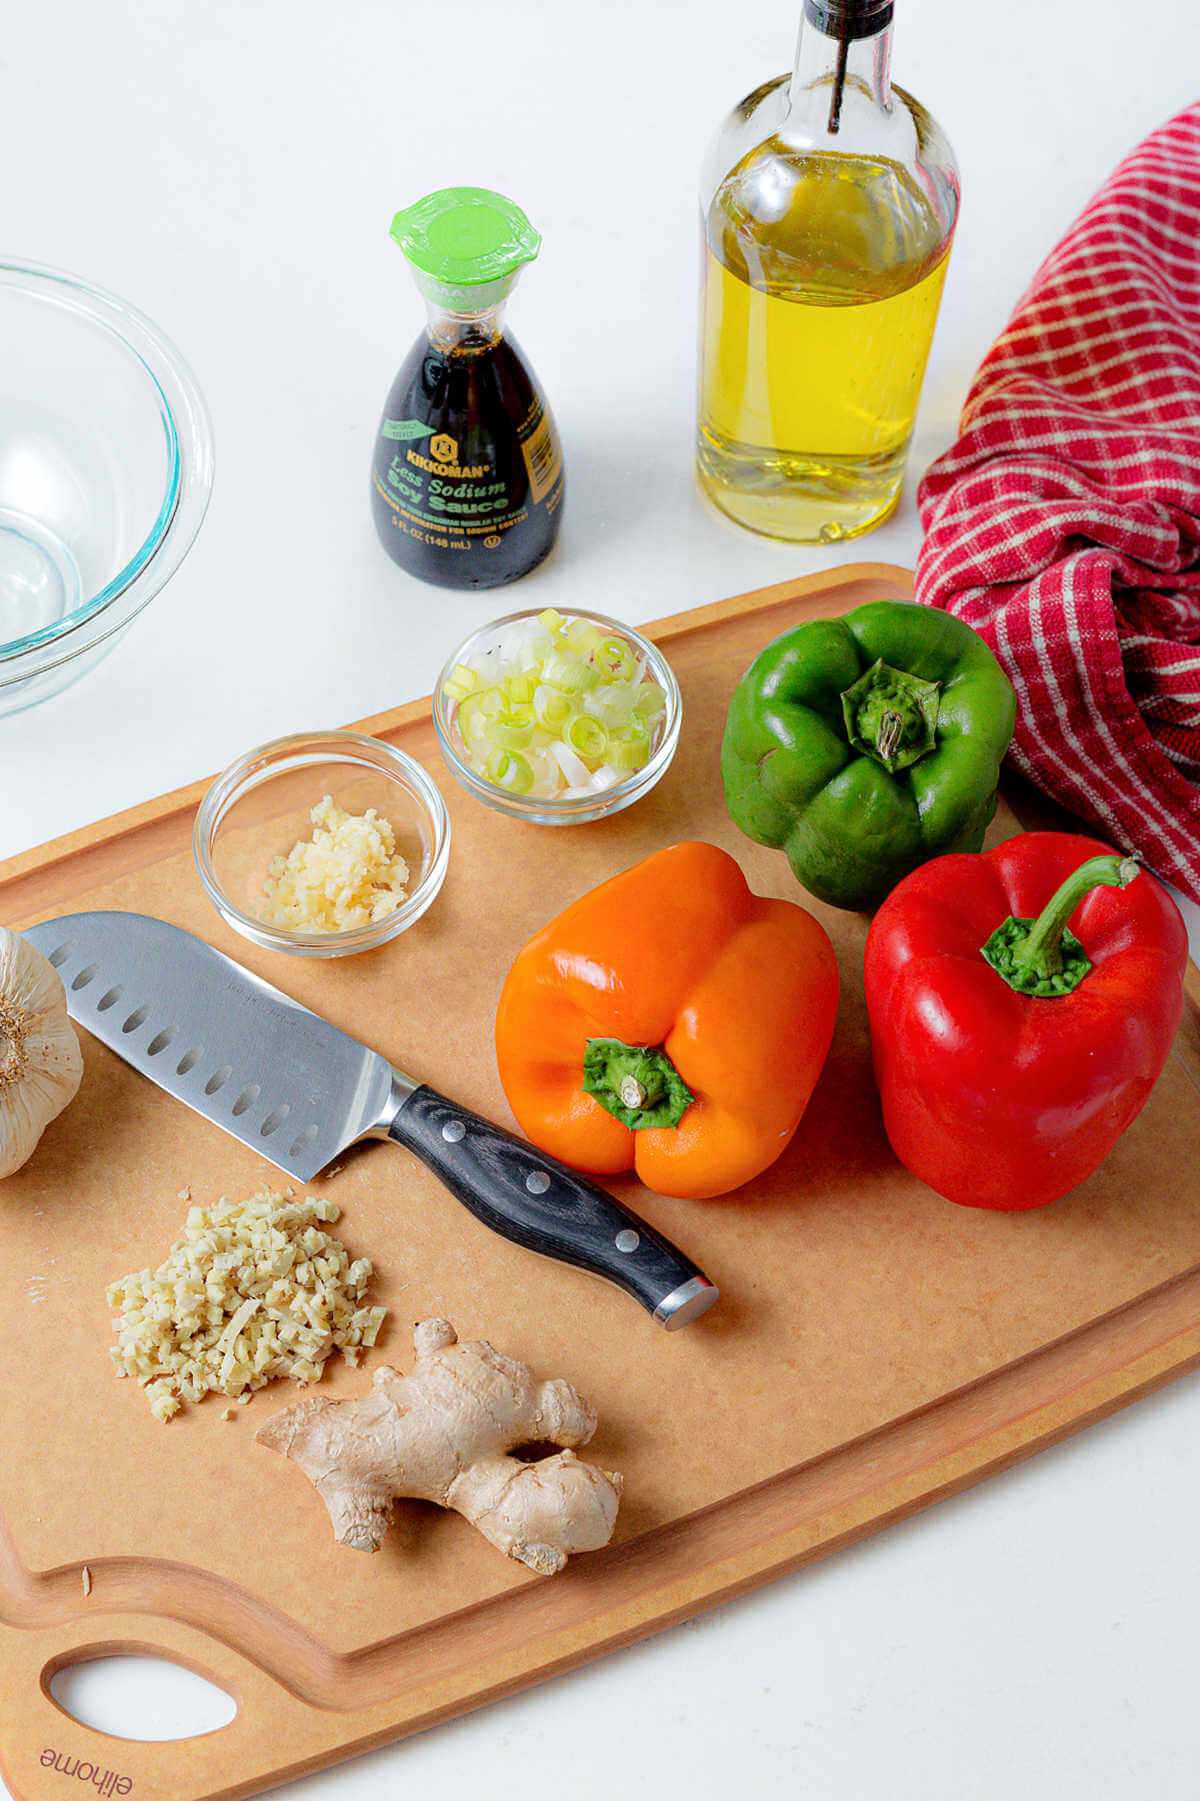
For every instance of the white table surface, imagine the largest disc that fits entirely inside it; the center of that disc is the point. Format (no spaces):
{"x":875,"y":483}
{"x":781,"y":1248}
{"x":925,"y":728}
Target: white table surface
{"x":233,"y":170}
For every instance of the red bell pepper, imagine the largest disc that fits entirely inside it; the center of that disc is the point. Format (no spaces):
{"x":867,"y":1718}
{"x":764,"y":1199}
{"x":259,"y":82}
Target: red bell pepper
{"x":1011,"y":1054}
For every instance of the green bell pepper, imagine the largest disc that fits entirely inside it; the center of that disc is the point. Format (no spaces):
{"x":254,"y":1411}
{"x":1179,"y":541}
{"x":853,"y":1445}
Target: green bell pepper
{"x":867,"y":744}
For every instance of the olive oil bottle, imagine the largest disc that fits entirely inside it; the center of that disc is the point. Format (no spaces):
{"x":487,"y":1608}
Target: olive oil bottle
{"x":467,"y":474}
{"x":829,"y":202}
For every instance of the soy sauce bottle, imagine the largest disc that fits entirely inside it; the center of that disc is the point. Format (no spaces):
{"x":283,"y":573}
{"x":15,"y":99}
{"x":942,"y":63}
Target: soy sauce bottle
{"x":467,"y":477}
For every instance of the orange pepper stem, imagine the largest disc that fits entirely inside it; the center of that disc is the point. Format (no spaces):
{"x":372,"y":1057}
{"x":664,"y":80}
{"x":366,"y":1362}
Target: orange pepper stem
{"x":638,"y":1084}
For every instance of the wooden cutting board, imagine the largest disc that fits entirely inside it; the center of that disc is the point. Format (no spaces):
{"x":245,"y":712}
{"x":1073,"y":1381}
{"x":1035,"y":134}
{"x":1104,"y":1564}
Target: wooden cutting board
{"x":875,"y":1349}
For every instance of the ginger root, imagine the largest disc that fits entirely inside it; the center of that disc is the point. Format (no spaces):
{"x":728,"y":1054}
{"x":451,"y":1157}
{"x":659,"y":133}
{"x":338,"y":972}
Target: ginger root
{"x":443,"y":1434}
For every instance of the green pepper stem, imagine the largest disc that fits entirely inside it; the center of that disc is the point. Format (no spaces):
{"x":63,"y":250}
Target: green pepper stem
{"x":891,"y":716}
{"x":1041,"y":952}
{"x":887,"y":741}
{"x":1040,"y":956}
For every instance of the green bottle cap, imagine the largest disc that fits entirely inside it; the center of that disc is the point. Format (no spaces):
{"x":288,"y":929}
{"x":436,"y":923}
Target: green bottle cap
{"x":465,"y":238}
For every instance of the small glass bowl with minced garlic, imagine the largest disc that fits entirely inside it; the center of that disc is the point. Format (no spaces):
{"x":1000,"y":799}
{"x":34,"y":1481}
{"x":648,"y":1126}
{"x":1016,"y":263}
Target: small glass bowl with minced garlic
{"x":557,"y":719}
{"x":322,"y":844}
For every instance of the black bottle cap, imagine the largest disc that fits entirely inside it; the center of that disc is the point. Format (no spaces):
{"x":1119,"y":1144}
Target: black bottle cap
{"x":848,"y":18}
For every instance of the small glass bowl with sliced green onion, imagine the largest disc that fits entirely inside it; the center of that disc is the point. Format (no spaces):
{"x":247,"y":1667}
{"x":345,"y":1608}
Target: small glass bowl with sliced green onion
{"x":557,"y":718}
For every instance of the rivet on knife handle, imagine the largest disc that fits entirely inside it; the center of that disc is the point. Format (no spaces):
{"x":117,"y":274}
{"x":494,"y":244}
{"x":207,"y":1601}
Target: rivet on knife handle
{"x":539,"y":1203}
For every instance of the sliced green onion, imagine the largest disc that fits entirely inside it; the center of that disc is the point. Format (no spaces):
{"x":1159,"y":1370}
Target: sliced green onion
{"x":470,"y":718}
{"x":586,"y":737}
{"x":575,"y":773}
{"x":613,"y":705}
{"x":460,"y":682}
{"x":547,"y":777}
{"x":569,"y":674}
{"x":616,"y":659}
{"x":583,"y":636}
{"x":649,"y":700}
{"x":509,"y":770}
{"x":551,"y":621}
{"x":510,"y":733}
{"x":551,"y":708}
{"x":519,"y":689}
{"x":629,"y":750}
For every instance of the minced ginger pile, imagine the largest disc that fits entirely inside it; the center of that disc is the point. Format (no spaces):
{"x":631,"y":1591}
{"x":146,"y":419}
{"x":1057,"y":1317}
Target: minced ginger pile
{"x":253,"y":1290}
{"x":348,"y":874}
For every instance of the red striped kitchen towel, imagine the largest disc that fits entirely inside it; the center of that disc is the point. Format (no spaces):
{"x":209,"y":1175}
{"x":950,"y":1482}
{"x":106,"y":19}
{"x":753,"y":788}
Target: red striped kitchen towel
{"x":1064,"y":525}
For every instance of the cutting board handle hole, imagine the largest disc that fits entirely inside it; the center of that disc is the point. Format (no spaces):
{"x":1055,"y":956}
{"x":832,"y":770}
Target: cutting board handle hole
{"x":138,"y":1695}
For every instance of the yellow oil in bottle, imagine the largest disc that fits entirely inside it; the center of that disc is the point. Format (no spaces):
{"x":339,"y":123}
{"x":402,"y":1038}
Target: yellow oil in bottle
{"x":822,"y":278}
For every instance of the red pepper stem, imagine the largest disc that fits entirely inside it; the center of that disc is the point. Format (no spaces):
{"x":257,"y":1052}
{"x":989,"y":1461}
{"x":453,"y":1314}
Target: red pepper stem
{"x":1041,"y":950}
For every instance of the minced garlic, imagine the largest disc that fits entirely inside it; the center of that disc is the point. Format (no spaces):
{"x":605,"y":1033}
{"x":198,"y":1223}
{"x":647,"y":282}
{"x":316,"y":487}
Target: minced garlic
{"x":348,"y":874}
{"x":252,"y":1291}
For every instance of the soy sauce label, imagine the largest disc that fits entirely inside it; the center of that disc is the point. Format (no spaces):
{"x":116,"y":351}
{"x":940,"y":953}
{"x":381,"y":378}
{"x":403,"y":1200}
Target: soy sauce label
{"x":428,"y":482}
{"x":543,"y":457}
{"x":398,"y":429}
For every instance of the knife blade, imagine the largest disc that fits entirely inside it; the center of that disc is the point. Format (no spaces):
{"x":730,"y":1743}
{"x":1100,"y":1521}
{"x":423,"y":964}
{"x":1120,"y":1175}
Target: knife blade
{"x":299,"y":1091}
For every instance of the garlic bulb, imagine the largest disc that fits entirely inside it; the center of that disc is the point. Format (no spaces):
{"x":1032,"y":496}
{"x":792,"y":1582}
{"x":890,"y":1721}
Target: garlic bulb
{"x":40,"y":1062}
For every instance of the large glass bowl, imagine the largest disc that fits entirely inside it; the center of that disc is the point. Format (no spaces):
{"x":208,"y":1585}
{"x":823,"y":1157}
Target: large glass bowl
{"x":106,"y":466}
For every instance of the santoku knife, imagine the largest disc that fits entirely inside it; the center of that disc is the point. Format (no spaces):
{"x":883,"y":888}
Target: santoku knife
{"x":300,"y":1092}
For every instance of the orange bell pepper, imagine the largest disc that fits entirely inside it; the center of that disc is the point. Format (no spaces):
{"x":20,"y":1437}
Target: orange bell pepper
{"x":670,"y":1022}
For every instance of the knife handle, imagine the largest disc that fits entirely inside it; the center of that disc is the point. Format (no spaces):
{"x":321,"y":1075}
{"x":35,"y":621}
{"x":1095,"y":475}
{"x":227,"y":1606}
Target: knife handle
{"x":522,"y":1194}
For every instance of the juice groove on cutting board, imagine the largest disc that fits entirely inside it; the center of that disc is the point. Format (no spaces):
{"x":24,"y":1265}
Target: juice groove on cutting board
{"x":875,"y":1348}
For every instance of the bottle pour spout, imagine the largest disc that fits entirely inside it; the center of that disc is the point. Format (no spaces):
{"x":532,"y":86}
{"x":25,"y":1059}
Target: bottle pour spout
{"x":845,"y":21}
